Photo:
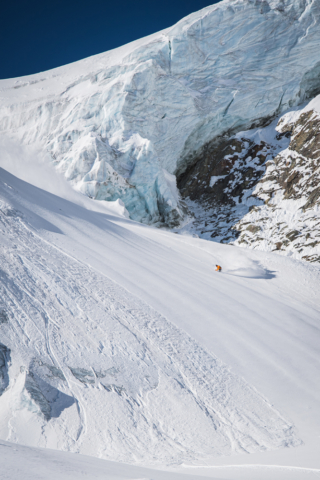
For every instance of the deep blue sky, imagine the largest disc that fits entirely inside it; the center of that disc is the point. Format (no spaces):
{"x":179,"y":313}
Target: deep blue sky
{"x":39,"y":35}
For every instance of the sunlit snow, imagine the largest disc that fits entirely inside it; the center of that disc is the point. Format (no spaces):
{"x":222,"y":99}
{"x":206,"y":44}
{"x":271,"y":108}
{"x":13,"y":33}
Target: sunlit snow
{"x":120,"y":341}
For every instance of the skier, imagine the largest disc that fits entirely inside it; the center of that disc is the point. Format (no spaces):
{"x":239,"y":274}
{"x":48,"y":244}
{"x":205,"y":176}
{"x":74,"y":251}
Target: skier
{"x":218,"y":269}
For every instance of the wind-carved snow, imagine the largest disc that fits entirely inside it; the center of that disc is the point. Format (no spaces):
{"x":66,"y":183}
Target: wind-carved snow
{"x":95,"y":370}
{"x":118,"y":123}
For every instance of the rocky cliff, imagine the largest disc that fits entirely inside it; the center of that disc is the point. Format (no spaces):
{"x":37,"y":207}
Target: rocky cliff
{"x":260,"y":188}
{"x":289,"y":219}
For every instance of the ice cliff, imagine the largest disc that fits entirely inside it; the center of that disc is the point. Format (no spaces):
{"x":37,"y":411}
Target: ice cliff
{"x":122,"y":124}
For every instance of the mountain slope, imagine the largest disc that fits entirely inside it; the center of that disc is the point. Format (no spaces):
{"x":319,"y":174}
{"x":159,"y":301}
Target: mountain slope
{"x":118,"y":340}
{"x":83,"y":349}
{"x":109,"y":326}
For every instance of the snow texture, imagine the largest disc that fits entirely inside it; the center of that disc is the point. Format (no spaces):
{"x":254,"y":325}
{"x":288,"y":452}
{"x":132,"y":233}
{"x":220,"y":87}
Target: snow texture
{"x":97,"y":371}
{"x":108,"y":333}
{"x":120,"y":341}
{"x":118,"y":124}
{"x":28,"y":463}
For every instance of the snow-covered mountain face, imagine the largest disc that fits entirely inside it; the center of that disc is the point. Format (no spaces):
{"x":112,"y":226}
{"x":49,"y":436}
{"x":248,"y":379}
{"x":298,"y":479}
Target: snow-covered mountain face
{"x":118,"y":340}
{"x":122,"y":124}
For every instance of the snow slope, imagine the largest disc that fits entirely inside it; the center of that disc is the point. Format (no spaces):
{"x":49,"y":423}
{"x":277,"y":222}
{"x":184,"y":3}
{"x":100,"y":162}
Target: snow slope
{"x":86,"y":351}
{"x":120,"y":341}
{"x":119,"y":124}
{"x":19,"y":462}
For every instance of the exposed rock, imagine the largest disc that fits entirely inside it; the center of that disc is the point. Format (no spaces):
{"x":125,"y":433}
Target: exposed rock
{"x":218,"y":187}
{"x":261,"y":194}
{"x":292,"y":235}
{"x":3,"y":317}
{"x":212,"y":177}
{"x":290,"y":191}
{"x":253,"y":228}
{"x":312,"y":258}
{"x":85,"y":376}
{"x":306,"y":135}
{"x":313,"y":199}
{"x":4,"y":361}
{"x":36,"y":395}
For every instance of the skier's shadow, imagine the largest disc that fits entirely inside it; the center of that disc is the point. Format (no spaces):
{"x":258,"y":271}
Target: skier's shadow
{"x":248,"y":273}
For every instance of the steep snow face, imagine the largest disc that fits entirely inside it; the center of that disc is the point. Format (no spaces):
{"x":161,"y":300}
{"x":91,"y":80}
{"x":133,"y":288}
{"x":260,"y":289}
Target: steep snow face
{"x":117,"y":125}
{"x":119,"y":340}
{"x":95,"y":370}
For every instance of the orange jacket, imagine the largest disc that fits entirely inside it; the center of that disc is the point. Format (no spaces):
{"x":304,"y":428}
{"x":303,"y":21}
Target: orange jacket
{"x":218,"y":269}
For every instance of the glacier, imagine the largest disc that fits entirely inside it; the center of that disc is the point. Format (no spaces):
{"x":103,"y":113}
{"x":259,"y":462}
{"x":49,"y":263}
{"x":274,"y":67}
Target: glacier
{"x":123,"y":124}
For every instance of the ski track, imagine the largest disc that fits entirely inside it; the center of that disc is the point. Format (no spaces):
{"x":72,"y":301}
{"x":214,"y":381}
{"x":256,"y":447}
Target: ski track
{"x":55,"y":362}
{"x":145,"y":386}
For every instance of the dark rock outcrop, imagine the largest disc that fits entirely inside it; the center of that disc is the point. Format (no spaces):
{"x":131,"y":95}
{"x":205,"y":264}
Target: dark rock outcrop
{"x":4,"y":362}
{"x":291,"y":193}
{"x":218,"y":185}
{"x":260,"y":194}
